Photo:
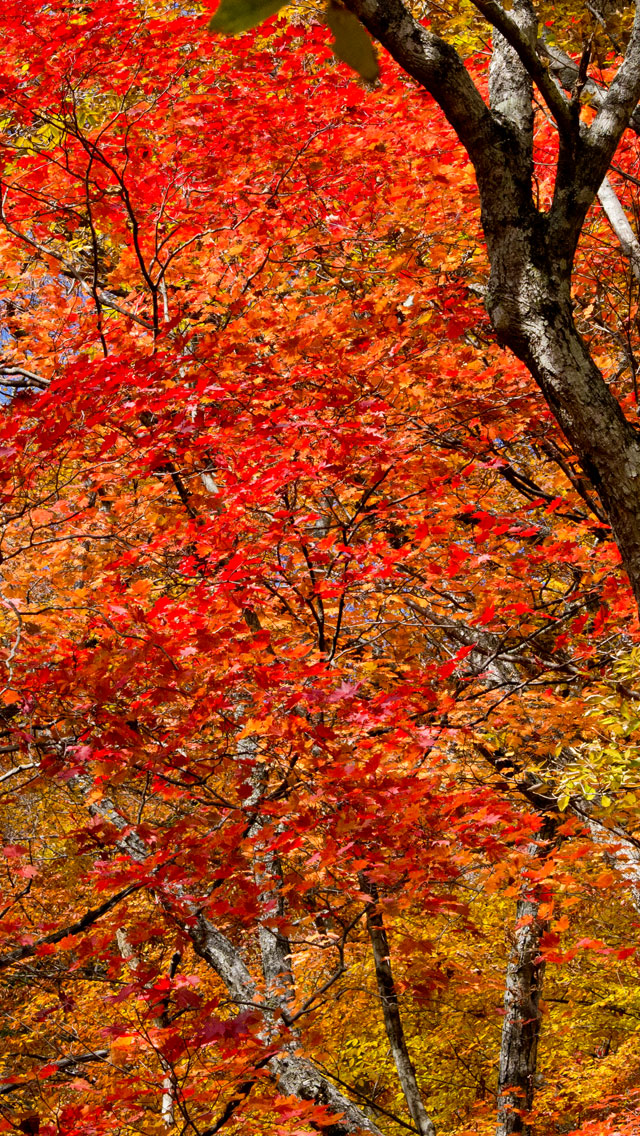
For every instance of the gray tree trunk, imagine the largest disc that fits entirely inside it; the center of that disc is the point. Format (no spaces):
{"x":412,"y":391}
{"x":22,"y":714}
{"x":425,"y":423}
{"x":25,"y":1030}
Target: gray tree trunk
{"x":391,"y":1013}
{"x":523,"y":991}
{"x":521,"y":1025}
{"x":534,"y":318}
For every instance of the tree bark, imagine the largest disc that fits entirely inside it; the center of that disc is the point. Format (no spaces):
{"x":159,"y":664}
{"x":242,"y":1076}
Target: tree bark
{"x":619,"y":222}
{"x":521,"y":1026}
{"x":275,"y":949}
{"x":391,"y":1013}
{"x":530,"y":306}
{"x":523,"y":990}
{"x":530,"y":252}
{"x":294,"y":1075}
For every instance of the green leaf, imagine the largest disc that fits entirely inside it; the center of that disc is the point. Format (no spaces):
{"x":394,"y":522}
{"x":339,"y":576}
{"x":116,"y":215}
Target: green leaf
{"x":351,"y":42}
{"x":235,"y":16}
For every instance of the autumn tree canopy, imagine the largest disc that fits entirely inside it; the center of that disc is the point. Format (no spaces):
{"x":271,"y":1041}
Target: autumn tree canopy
{"x":319,"y":569}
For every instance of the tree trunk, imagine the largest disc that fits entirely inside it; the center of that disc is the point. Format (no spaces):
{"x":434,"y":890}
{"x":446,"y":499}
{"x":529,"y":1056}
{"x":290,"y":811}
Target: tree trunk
{"x":521,"y":1026}
{"x":523,"y":991}
{"x":529,"y":302}
{"x":391,"y":1013}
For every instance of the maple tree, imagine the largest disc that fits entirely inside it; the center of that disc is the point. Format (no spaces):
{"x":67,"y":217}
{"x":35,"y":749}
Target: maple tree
{"x":319,"y":728}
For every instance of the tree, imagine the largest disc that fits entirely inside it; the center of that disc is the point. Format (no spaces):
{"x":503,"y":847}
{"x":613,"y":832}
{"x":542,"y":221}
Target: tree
{"x":311,"y":675}
{"x":532,"y":250}
{"x":532,"y":247}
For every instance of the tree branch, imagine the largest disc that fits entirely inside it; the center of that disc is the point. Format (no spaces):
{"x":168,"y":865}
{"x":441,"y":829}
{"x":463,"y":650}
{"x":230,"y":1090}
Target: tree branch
{"x":294,"y":1075}
{"x":28,"y":950}
{"x":62,"y":1064}
{"x":617,"y":107}
{"x":517,"y":33}
{"x":25,"y":378}
{"x":522,"y":1017}
{"x":619,"y":222}
{"x":437,"y":67}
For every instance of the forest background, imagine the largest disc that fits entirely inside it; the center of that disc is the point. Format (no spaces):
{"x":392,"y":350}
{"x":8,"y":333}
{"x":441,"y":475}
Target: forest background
{"x":320,"y":735}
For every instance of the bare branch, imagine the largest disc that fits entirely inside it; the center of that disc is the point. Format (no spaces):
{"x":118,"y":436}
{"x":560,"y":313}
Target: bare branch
{"x":28,"y":950}
{"x":17,"y":768}
{"x":29,"y":377}
{"x":62,"y":1065}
